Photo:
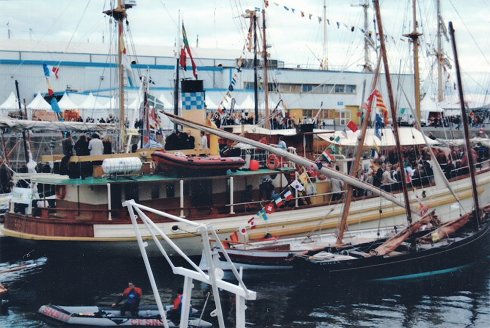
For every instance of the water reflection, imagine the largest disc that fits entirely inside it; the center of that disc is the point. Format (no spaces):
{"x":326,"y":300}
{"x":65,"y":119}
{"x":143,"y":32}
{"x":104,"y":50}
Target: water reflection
{"x":285,"y":299}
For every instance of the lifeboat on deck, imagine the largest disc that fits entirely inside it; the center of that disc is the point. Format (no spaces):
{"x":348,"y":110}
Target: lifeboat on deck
{"x":169,"y":161}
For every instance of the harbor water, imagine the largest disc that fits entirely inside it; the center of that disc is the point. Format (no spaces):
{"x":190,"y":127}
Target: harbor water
{"x":284,"y":299}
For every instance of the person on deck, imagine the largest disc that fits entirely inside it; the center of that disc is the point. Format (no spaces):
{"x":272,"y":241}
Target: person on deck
{"x":282,"y":144}
{"x":204,"y":140}
{"x":95,"y":145}
{"x":133,"y":295}
{"x":81,"y":146}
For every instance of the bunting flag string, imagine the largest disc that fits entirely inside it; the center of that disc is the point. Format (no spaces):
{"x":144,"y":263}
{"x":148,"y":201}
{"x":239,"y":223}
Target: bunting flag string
{"x":351,"y":28}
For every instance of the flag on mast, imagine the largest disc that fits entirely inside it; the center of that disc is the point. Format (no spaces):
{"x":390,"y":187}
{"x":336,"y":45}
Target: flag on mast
{"x":188,"y":49}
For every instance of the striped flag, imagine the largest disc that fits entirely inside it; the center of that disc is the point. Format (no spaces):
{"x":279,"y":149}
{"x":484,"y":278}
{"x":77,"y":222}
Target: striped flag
{"x":188,"y":49}
{"x":381,"y":106}
{"x":288,"y":195}
{"x":50,"y":70}
{"x":329,"y":158}
{"x":279,"y":201}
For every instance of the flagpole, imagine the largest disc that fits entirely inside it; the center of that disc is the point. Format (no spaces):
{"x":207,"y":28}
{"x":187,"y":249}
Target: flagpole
{"x":176,"y":85}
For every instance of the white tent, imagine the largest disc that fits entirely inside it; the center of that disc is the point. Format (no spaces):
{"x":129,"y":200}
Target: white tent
{"x":91,"y":102}
{"x":408,"y":137}
{"x":66,"y":103}
{"x":210,"y":104}
{"x":38,"y":103}
{"x":167,"y":104}
{"x":10,"y":104}
{"x":248,"y":104}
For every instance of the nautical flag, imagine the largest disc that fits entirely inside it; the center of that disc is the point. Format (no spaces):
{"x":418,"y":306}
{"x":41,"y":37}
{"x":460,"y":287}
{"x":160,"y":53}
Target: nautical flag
{"x":269,"y":208}
{"x":50,"y":88}
{"x":381,"y":105}
{"x":279,"y":202}
{"x":263,"y":215}
{"x":374,"y":153}
{"x":352,"y":126}
{"x":297,"y":185}
{"x":183,"y":59}
{"x":288,"y":195}
{"x":234,"y":237}
{"x":329,"y":158}
{"x":243,"y":231}
{"x":252,"y":223}
{"x":50,"y":70}
{"x":188,"y":49}
{"x":54,"y":105}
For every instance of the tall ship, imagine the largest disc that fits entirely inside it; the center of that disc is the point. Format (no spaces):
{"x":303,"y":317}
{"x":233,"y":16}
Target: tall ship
{"x":276,"y":176}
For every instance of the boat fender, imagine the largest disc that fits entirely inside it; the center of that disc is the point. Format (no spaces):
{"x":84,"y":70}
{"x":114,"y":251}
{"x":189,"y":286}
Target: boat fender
{"x":61,"y":192}
{"x":272,"y":162}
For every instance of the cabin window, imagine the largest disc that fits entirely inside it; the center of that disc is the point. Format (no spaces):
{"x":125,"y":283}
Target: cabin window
{"x":170,"y":190}
{"x":155,"y":191}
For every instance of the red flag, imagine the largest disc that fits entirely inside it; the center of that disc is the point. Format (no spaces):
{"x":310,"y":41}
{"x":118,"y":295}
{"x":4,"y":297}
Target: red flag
{"x":183,"y":59}
{"x":352,"y":126}
{"x":252,"y":224}
{"x":269,"y":208}
{"x":188,"y":49}
{"x":288,"y":195}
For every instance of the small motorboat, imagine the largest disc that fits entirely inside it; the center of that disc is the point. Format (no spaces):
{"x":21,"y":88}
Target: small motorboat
{"x":96,"y":316}
{"x":168,"y":161}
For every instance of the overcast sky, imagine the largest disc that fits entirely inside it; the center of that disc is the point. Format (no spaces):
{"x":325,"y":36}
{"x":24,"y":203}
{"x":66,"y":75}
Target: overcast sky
{"x":295,"y":39}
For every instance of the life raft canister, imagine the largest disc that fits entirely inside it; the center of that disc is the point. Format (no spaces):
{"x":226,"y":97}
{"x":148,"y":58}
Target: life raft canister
{"x":61,"y":192}
{"x":272,"y":162}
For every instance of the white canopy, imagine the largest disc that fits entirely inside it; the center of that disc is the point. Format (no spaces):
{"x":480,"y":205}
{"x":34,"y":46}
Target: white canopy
{"x":38,"y":103}
{"x":409,"y":136}
{"x":10,"y":103}
{"x":210,"y":104}
{"x":248,"y":104}
{"x":53,"y":126}
{"x":92,"y":102}
{"x":66,"y":103}
{"x":166,"y":103}
{"x":429,"y":105}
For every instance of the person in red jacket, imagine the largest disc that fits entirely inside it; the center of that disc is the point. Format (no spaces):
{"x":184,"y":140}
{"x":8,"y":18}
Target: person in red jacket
{"x":132,"y":294}
{"x":174,"y":314}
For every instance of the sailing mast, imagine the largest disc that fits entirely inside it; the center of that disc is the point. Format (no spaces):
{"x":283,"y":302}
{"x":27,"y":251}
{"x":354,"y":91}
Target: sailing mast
{"x":265,"y":85}
{"x":324,"y":62}
{"x":119,"y":14}
{"x":392,"y":108}
{"x":414,"y":36}
{"x":357,"y":161}
{"x":465,"y":126}
{"x":439,"y":53}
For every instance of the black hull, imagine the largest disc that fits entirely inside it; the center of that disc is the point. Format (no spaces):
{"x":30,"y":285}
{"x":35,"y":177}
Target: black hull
{"x":451,"y":255}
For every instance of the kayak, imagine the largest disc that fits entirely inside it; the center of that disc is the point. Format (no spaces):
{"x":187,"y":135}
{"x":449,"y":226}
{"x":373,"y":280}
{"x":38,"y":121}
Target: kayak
{"x":148,"y":316}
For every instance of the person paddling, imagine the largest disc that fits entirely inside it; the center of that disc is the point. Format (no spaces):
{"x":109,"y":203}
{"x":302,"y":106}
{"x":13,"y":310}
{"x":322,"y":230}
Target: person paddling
{"x":132,"y":294}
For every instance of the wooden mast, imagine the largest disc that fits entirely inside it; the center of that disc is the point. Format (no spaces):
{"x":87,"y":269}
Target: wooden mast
{"x":357,"y":161}
{"x":119,"y":14}
{"x":414,"y":36}
{"x":392,"y":108}
{"x":265,"y":85}
{"x":471,"y":164}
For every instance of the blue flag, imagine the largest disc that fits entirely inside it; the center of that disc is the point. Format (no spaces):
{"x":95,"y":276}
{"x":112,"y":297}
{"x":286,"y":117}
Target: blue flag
{"x":378,"y":125}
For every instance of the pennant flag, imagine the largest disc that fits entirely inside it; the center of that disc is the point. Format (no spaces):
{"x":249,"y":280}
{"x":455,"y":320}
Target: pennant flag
{"x":252,"y":223}
{"x":381,"y":105}
{"x":54,"y":105}
{"x":188,"y":49}
{"x":297,"y":185}
{"x":329,"y":158}
{"x":279,"y":201}
{"x":269,"y":208}
{"x":263,"y":215}
{"x":303,"y":178}
{"x":234,"y":237}
{"x":352,"y":126}
{"x":288,"y":195}
{"x":50,"y":70}
{"x":243,"y":231}
{"x":50,"y":88}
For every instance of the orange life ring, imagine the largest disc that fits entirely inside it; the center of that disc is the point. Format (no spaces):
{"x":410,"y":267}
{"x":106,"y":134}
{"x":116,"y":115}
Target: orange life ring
{"x":272,"y":162}
{"x":61,"y":192}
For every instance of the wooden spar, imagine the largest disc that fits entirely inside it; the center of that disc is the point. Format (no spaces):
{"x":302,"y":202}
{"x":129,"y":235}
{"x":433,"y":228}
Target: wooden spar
{"x":357,"y":161}
{"x":265,"y":85}
{"x":392,"y":108}
{"x":471,"y":163}
{"x":292,"y":157}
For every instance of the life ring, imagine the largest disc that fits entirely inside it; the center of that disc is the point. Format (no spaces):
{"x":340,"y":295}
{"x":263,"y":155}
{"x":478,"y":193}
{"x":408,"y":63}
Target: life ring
{"x":61,"y":192}
{"x":272,"y":162}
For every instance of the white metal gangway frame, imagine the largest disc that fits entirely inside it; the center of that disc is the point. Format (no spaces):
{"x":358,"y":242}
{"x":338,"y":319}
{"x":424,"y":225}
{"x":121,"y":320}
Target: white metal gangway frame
{"x":213,"y":277}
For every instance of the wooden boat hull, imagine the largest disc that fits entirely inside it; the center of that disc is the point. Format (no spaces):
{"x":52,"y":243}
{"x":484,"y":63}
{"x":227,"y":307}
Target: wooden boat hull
{"x":167,"y":161}
{"x":431,"y":260}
